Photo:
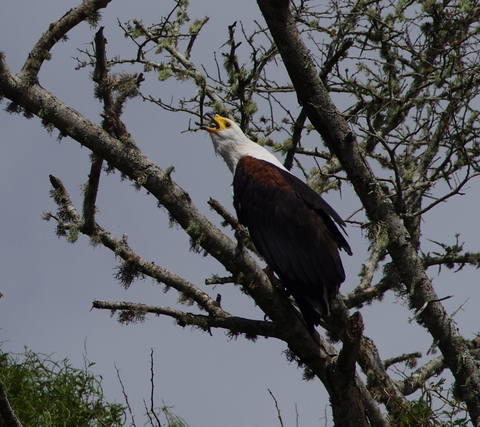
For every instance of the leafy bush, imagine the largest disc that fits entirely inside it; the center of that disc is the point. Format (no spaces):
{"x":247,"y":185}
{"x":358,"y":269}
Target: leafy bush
{"x":47,"y":393}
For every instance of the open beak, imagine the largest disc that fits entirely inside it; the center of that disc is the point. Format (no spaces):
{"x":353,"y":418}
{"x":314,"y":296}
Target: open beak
{"x":214,"y":124}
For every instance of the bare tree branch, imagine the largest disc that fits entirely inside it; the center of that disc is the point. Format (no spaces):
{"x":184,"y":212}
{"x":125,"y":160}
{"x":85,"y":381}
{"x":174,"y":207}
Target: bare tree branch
{"x":87,"y":10}
{"x":418,"y":378}
{"x":450,"y":260}
{"x":235,"y":325}
{"x":136,"y":263}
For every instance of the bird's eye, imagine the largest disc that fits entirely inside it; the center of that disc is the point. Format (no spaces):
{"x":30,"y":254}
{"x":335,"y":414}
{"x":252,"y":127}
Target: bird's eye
{"x":227,"y":124}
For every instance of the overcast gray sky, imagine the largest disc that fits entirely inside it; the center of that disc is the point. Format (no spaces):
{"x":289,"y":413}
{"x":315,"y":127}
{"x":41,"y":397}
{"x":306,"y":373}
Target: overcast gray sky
{"x":49,"y":285}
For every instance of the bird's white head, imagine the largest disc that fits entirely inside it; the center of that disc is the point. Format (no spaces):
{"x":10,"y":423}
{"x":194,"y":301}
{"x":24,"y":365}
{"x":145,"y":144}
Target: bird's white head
{"x":232,"y":144}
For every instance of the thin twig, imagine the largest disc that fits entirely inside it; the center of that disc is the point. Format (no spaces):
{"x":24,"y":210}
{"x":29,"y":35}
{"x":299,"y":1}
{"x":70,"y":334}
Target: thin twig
{"x":278,"y":409}
{"x":152,"y":389}
{"x":125,"y":396}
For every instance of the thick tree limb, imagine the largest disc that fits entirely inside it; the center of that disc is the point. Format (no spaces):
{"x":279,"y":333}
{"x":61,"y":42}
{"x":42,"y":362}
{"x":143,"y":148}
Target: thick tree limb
{"x":298,"y":127}
{"x":379,"y":382}
{"x":91,"y":191}
{"x":343,"y":376}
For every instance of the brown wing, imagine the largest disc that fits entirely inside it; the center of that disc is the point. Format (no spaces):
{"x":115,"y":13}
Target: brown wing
{"x":292,"y":228}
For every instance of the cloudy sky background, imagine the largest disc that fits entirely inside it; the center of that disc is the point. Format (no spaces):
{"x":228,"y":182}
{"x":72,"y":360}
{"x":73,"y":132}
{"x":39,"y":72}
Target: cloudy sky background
{"x":49,"y":285}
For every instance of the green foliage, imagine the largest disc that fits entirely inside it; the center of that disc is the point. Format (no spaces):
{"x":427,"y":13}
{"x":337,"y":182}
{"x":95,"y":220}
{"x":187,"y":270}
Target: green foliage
{"x":419,"y":414}
{"x":73,"y":234}
{"x":127,"y":317}
{"x":196,"y":26}
{"x":164,"y":73}
{"x":44,"y":392}
{"x":196,"y":237}
{"x":434,"y":407}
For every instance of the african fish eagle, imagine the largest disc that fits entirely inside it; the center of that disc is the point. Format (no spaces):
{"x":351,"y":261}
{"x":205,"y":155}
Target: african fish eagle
{"x":291,"y":226}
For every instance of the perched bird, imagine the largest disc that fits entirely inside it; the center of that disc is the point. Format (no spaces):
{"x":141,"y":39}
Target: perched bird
{"x":291,"y":226}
